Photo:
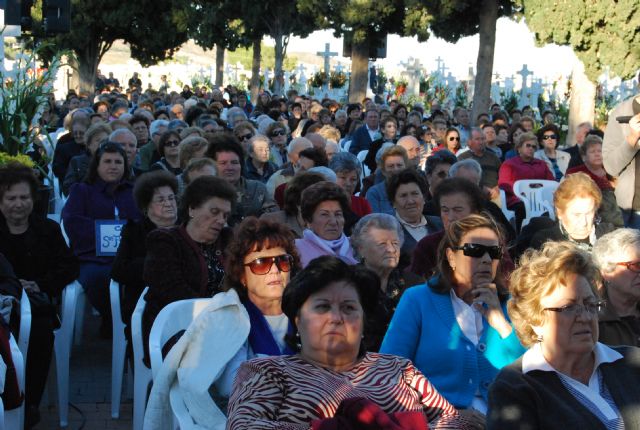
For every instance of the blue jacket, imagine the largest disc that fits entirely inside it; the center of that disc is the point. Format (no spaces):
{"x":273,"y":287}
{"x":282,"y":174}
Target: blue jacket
{"x":424,"y":330}
{"x":90,"y":202}
{"x":377,"y":197}
{"x":361,"y":140}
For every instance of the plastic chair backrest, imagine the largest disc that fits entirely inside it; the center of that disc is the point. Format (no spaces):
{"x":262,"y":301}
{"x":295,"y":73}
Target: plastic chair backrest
{"x":174,"y":317}
{"x":141,"y":373}
{"x":365,"y":169}
{"x":526,"y":190}
{"x":179,"y":409}
{"x":25,"y":325}
{"x":119,"y":348}
{"x":347,"y":145}
{"x":544,"y":195}
{"x":136,"y":328}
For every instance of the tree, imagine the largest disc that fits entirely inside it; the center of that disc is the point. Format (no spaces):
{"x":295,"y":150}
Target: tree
{"x":454,"y":19}
{"x":146,"y":25}
{"x":361,"y":21}
{"x":604,"y":35}
{"x":278,"y":19}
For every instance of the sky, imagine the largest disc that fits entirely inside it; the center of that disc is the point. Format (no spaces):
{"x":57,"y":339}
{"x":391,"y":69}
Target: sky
{"x":515,"y":46}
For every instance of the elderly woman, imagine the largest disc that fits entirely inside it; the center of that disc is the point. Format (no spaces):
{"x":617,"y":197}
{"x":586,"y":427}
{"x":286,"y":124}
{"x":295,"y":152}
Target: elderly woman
{"x":377,"y":240}
{"x":576,"y":203}
{"x":323,"y":207}
{"x":348,"y":171}
{"x":78,"y":165}
{"x":169,"y":150}
{"x":437,"y":170}
{"x":43,"y":264}
{"x":617,"y":255}
{"x":258,"y":166}
{"x":105,"y":194}
{"x":567,"y":379}
{"x":195,"y":168}
{"x":186,"y":261}
{"x":291,"y":216}
{"x":331,"y":382}
{"x":455,"y":327}
{"x":393,"y":160}
{"x":406,"y":192}
{"x":591,"y":153}
{"x":524,"y":166}
{"x":557,"y":160}
{"x":192,"y":147}
{"x":278,"y":132}
{"x":155,"y":196}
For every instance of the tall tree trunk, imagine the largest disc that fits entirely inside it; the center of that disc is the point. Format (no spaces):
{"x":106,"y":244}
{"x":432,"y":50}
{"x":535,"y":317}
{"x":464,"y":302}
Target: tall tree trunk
{"x":582,"y":104}
{"x":484,"y":66}
{"x":254,"y":84}
{"x":279,"y":59}
{"x":219,"y":64}
{"x":87,"y":67}
{"x":359,"y":71}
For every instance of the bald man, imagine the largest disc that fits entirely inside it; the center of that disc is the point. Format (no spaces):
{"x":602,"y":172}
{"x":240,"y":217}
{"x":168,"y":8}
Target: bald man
{"x":412,"y":146}
{"x":285,"y":174}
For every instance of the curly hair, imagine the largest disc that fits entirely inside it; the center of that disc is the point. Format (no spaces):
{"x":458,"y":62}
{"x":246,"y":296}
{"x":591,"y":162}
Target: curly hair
{"x":293,"y":192}
{"x":14,"y":173}
{"x":322,"y":192}
{"x":406,"y":176}
{"x":147,"y":184}
{"x":539,"y":274}
{"x":252,"y":235}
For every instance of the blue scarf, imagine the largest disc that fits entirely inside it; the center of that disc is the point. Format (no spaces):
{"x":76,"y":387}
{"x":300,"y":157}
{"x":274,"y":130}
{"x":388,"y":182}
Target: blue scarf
{"x":260,"y":336}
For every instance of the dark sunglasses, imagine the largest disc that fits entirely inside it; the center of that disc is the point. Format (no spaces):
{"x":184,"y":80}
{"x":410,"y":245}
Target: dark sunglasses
{"x":172,"y":143}
{"x":278,"y":133}
{"x":530,"y":145}
{"x":245,"y":136}
{"x":262,"y":266}
{"x":476,"y":250}
{"x":454,"y":138}
{"x":549,"y":136}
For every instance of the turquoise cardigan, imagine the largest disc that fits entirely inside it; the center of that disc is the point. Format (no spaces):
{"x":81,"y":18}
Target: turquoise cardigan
{"x":424,"y":330}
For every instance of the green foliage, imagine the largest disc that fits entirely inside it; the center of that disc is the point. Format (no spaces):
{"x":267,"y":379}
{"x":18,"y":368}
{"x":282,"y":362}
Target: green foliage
{"x":318,"y":80}
{"x":337,"y":79}
{"x":604,"y":104}
{"x":461,"y":97}
{"x":245,"y":55}
{"x":510,"y":100}
{"x":603,"y":33}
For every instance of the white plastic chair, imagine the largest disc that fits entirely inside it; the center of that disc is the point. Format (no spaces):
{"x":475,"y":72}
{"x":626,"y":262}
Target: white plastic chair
{"x":174,"y":317}
{"x":347,"y":145}
{"x":508,"y":214}
{"x":527,"y":191}
{"x":14,"y":418}
{"x":62,"y":346}
{"x":141,"y":373}
{"x":545,"y":196}
{"x":119,"y":349}
{"x":361,"y":156}
{"x":2,"y":427}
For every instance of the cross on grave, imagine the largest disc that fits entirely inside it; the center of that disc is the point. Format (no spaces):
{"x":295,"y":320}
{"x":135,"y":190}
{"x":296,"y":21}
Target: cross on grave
{"x":339,"y":67}
{"x":300,"y":70}
{"x":235,"y":69}
{"x":439,"y":64}
{"x":525,"y":73}
{"x":201,"y":71}
{"x":326,"y":54}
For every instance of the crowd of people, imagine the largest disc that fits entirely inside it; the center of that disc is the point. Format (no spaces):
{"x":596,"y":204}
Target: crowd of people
{"x":357,"y":257}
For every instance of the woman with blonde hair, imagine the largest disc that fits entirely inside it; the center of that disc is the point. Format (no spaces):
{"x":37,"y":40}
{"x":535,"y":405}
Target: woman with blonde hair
{"x":567,"y":379}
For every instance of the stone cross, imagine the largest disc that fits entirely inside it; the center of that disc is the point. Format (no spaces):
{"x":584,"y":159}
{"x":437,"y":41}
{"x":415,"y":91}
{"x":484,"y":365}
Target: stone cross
{"x":339,"y":67}
{"x":440,"y":65}
{"x":326,"y":54}
{"x":508,"y":84}
{"x":235,"y":69}
{"x":525,"y":73}
{"x":413,"y":73}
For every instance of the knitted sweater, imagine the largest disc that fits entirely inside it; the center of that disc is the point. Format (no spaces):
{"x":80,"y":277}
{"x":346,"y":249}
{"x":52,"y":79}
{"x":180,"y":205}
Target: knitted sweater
{"x":424,"y":330}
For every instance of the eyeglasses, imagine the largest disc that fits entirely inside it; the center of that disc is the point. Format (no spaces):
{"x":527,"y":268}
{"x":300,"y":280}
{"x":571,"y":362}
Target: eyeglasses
{"x":162,"y":200}
{"x":246,"y":136}
{"x":633,"y":266}
{"x":531,"y":145}
{"x":451,"y":139}
{"x":573,"y":310}
{"x":549,"y":136}
{"x":476,"y":250}
{"x":172,"y":143}
{"x":262,"y":266}
{"x":278,"y":133}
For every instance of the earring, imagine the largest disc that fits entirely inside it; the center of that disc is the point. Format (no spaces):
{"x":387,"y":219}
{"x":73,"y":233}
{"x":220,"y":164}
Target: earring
{"x":453,"y":268}
{"x":298,"y":341}
{"x":539,"y":338}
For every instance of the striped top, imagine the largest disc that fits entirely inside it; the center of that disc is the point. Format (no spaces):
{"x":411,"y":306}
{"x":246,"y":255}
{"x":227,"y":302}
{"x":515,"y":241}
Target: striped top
{"x":287,"y":392}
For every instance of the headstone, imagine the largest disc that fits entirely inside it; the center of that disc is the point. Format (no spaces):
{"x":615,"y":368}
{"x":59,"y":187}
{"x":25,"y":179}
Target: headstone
{"x":413,"y":73}
{"x":287,"y":82}
{"x":472,"y":83}
{"x":267,"y":77}
{"x":509,"y":84}
{"x":339,"y":67}
{"x":440,"y":66}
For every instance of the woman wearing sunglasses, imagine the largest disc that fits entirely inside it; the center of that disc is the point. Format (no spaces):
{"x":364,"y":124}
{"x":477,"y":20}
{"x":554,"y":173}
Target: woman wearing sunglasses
{"x":617,"y":255}
{"x":169,"y":150}
{"x":557,"y":160}
{"x":451,"y":141}
{"x":455,"y":327}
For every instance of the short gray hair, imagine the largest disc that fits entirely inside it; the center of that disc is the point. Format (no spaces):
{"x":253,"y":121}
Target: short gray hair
{"x":345,"y":162}
{"x":122,"y":132}
{"x":326,"y":172}
{"x":155,"y":125}
{"x":374,"y":220}
{"x":258,"y":138}
{"x":469,"y":163}
{"x":608,"y":246}
{"x":234,"y":112}
{"x":340,"y":112}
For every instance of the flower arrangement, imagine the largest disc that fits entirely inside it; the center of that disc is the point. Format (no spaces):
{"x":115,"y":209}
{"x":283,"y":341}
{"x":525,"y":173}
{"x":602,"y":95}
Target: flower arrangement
{"x":318,"y":80}
{"x":19,"y":158}
{"x":401,"y":88}
{"x":337,"y":79}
